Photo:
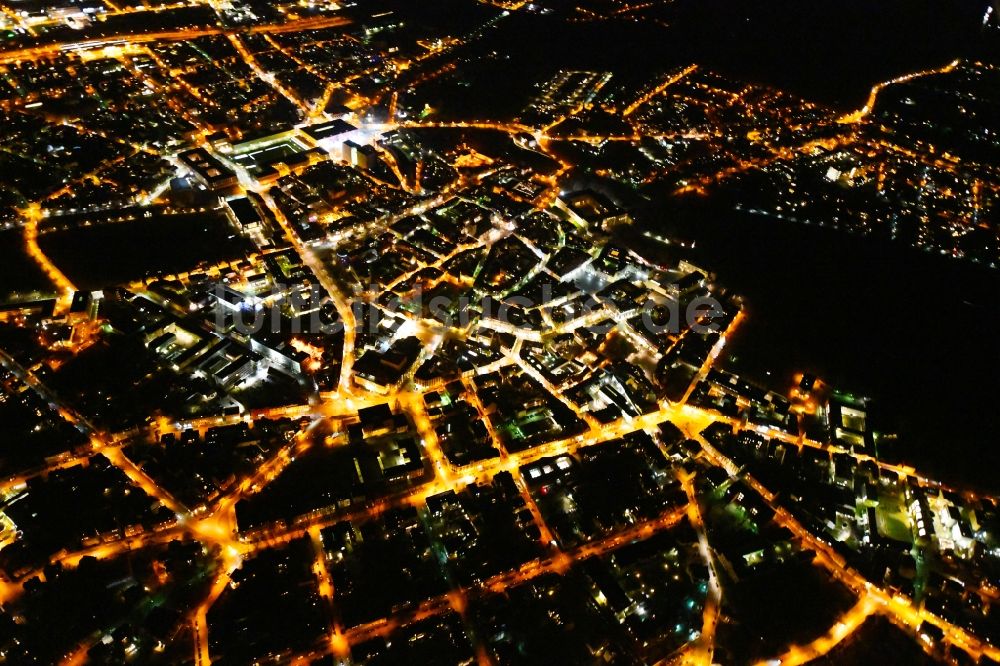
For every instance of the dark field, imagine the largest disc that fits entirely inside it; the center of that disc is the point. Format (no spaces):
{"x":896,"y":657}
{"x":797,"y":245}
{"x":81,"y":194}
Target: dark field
{"x":107,"y":254}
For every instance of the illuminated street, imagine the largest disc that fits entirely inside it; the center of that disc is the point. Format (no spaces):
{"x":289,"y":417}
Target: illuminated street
{"x":371,"y":333}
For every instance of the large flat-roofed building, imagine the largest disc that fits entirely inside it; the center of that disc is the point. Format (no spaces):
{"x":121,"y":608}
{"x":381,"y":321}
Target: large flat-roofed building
{"x":361,"y":156}
{"x":588,"y":208}
{"x":208,"y":169}
{"x":245,"y":213}
{"x":336,"y":131}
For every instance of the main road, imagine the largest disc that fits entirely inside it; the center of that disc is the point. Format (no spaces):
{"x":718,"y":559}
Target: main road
{"x":49,"y":50}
